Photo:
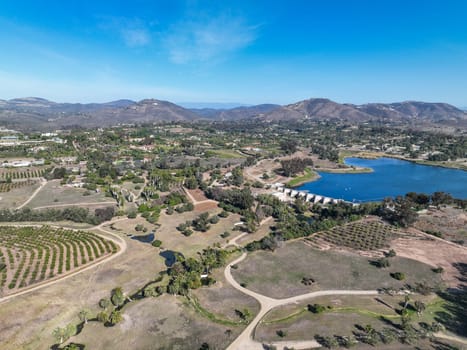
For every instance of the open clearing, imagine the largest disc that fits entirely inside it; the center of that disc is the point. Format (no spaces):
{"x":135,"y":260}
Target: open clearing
{"x":342,"y":318}
{"x":54,"y":194}
{"x":279,"y":274}
{"x":17,"y":196}
{"x":158,"y":323}
{"x":448,"y":222}
{"x":434,"y":252}
{"x":222,"y":299}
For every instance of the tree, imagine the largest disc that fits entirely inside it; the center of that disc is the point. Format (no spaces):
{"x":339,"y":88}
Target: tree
{"x":118,"y":298}
{"x":60,"y":334}
{"x":84,"y":315}
{"x":289,"y":146}
{"x":115,"y":317}
{"x":103,"y":317}
{"x":281,"y":333}
{"x":104,"y":303}
{"x":383,"y":263}
{"x":419,"y":307}
{"x":63,"y":333}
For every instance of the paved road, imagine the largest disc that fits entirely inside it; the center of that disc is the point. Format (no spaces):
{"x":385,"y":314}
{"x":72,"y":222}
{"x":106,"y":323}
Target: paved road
{"x":114,"y":237}
{"x":245,"y":339}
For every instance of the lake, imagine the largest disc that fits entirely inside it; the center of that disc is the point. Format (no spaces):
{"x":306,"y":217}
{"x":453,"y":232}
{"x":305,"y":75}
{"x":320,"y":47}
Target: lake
{"x":390,"y":178}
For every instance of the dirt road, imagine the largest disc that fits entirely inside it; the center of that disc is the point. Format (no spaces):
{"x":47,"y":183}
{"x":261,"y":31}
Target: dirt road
{"x":245,"y":339}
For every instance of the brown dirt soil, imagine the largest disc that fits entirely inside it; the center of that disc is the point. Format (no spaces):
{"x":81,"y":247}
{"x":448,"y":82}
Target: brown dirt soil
{"x":434,"y":252}
{"x":197,"y":194}
{"x":448,"y":221}
{"x":205,"y":206}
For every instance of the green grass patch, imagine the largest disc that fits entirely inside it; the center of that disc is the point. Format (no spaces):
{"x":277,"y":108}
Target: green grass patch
{"x":224,"y":153}
{"x":309,"y":175}
{"x":193,"y":302}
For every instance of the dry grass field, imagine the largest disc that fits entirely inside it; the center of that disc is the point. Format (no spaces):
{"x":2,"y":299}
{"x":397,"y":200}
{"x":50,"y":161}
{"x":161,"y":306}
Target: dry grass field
{"x":158,"y":323}
{"x":223,"y":300}
{"x":17,"y":196}
{"x":54,"y":194}
{"x":279,"y":274}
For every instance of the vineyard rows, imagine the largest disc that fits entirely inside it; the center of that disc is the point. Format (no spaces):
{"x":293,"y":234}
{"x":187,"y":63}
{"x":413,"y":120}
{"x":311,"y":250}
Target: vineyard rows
{"x":30,"y":255}
{"x":357,"y":235}
{"x":16,"y":174}
{"x":8,"y":186}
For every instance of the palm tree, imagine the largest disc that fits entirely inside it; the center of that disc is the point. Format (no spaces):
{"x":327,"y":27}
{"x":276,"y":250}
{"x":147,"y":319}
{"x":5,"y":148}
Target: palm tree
{"x":84,"y":315}
{"x":118,"y":298}
{"x":60,"y":334}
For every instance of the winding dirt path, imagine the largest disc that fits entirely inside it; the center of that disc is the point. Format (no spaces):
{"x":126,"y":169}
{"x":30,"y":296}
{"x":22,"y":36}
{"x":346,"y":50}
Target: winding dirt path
{"x":43,"y":183}
{"x":114,"y":238}
{"x":245,"y":339}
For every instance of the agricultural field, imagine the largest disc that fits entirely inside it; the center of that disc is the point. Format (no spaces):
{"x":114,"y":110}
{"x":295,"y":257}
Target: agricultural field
{"x":8,"y":186}
{"x":361,"y":235}
{"x":280,"y":274}
{"x":31,"y":255}
{"x":18,"y":174}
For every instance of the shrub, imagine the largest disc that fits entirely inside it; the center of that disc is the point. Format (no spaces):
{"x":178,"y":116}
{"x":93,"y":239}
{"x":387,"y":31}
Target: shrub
{"x":400,"y":276}
{"x":157,"y":243}
{"x":316,"y":308}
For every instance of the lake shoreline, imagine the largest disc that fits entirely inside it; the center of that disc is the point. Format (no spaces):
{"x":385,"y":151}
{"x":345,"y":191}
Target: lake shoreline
{"x":376,"y":155}
{"x":380,"y":177}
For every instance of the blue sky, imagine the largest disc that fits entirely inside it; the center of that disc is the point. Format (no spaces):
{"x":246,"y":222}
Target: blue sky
{"x":251,"y":52}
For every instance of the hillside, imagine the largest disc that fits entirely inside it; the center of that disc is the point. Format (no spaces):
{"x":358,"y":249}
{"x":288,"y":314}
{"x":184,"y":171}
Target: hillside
{"x":34,"y":113}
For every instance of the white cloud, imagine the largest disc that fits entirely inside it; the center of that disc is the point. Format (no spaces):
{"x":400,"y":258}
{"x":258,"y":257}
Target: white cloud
{"x":134,"y":37}
{"x":133,"y":31}
{"x":211,"y":39}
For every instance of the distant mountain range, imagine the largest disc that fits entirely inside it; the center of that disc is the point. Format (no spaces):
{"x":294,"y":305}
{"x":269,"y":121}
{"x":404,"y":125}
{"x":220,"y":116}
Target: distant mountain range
{"x":38,"y":114}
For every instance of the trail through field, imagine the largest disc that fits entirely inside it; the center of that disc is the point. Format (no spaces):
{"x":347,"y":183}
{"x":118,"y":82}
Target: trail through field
{"x":113,"y":237}
{"x":245,"y":339}
{"x":43,"y":183}
{"x":74,"y":204}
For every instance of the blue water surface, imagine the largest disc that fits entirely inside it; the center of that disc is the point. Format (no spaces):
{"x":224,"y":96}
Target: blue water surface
{"x":390,"y":178}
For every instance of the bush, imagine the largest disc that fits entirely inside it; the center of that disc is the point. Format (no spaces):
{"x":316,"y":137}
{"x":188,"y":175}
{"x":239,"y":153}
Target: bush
{"x":438,"y":269}
{"x":400,"y":276}
{"x":223,"y":214}
{"x":157,"y":243}
{"x":131,"y":214}
{"x":316,"y":308}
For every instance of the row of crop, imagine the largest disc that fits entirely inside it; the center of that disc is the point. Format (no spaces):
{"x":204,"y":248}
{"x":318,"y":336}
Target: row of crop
{"x":22,"y":174}
{"x":363,"y":236}
{"x":8,"y":186}
{"x":35,"y":254}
